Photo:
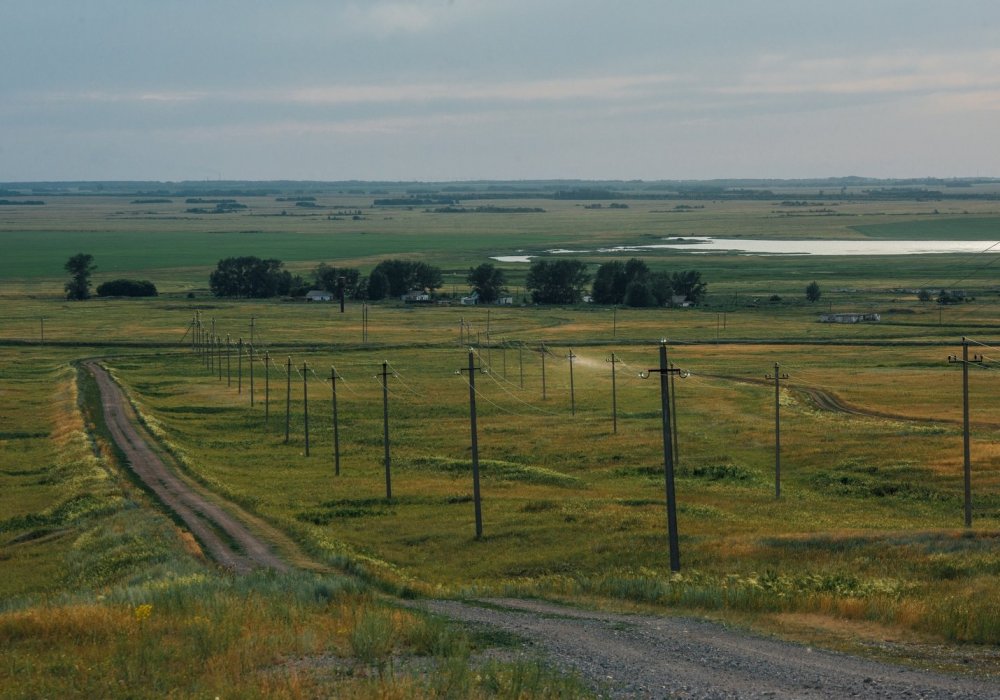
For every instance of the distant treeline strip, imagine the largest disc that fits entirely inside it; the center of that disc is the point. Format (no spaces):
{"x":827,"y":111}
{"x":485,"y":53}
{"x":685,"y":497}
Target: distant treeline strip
{"x":21,"y":203}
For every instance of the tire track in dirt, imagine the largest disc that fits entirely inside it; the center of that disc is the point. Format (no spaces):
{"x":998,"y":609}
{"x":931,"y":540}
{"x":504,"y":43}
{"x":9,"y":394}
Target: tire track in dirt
{"x":829,"y":401}
{"x":224,"y":537}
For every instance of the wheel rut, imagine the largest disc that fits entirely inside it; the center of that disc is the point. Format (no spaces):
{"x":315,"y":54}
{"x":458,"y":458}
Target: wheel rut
{"x":224,"y":537}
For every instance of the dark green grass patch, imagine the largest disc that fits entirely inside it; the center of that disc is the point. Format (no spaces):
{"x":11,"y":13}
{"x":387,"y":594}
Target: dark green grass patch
{"x":944,"y":228}
{"x":496,"y":469}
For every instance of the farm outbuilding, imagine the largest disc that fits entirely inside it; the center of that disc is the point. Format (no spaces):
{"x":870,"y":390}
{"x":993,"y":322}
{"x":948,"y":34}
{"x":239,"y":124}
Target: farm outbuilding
{"x":850,"y":318}
{"x":319,"y":295}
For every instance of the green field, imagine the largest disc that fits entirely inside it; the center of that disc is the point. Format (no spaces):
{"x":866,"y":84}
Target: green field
{"x":866,"y":544}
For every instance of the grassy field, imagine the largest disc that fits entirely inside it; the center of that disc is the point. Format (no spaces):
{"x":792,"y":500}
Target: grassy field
{"x":104,"y":595}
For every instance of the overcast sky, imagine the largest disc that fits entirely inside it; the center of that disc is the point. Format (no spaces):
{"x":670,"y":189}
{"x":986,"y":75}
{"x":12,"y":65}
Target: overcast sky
{"x":498,"y":89}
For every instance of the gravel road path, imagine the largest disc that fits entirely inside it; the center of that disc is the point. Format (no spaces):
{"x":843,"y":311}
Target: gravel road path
{"x":640,"y":656}
{"x":224,"y":538}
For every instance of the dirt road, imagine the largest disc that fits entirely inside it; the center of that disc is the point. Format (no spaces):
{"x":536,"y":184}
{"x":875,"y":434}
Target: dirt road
{"x":640,"y":656}
{"x":223,"y":537}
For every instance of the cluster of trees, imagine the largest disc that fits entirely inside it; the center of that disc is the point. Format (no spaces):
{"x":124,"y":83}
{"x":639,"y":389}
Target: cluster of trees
{"x":251,"y":277}
{"x":632,"y":283}
{"x":126,"y":288}
{"x":557,"y":281}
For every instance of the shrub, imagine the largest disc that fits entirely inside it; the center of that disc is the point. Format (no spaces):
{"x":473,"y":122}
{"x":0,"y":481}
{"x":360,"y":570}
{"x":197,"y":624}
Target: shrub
{"x":127,"y":288}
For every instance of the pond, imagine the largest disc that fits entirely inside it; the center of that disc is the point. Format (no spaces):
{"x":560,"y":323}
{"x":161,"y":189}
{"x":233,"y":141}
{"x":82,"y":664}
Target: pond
{"x":754,"y":246}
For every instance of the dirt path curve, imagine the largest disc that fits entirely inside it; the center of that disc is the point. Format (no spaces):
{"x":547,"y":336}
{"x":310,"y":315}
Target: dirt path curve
{"x":641,"y":656}
{"x":829,"y":401}
{"x":224,"y":538}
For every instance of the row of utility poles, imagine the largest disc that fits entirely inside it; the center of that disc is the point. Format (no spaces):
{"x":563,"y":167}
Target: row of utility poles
{"x":210,"y":346}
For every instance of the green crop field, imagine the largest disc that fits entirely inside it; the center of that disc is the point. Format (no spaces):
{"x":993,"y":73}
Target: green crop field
{"x":104,"y":594}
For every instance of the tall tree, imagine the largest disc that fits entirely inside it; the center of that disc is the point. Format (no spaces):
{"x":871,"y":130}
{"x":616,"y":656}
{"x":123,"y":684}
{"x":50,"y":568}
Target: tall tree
{"x":689,"y":285}
{"x":80,"y":267}
{"x":332,"y":278}
{"x":609,"y":283}
{"x":557,"y":282}
{"x":488,"y":281}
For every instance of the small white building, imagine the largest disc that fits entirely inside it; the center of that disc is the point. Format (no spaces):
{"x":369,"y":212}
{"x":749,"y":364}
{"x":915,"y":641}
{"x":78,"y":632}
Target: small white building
{"x":505,"y":301}
{"x":850,"y":318}
{"x":470,"y":300}
{"x":319,"y":295}
{"x":416,"y":296}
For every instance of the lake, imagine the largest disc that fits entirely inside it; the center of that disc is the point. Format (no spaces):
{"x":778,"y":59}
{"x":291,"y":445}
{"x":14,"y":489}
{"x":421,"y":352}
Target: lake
{"x":753,"y":246}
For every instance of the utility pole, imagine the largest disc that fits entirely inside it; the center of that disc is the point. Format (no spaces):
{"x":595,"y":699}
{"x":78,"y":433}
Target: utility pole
{"x":239,"y":367}
{"x":967,"y":461}
{"x":336,"y":427}
{"x":218,"y":354}
{"x":252,"y":319}
{"x":385,"y":429}
{"x":520,"y":361}
{"x":341,"y":282}
{"x":251,"y":373}
{"x":614,"y":393}
{"x":472,"y":369}
{"x":777,"y":377}
{"x":267,"y":386}
{"x":229,"y":353}
{"x":572,"y":393}
{"x":668,"y":458}
{"x":288,"y":397}
{"x":305,"y":402}
{"x":211,"y":342}
{"x":543,"y":351}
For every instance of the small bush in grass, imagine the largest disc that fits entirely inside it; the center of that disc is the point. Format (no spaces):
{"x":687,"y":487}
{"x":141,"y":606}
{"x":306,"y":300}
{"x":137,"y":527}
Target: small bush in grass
{"x":372,"y":638}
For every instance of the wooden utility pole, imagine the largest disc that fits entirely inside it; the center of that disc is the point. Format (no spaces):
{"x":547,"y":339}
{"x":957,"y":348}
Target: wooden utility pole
{"x":251,"y":373}
{"x":614,"y":393}
{"x":288,"y":398}
{"x":668,"y":454}
{"x":572,"y":392}
{"x":778,"y":376}
{"x":267,"y":385}
{"x":239,"y":367}
{"x":305,"y":403}
{"x":385,"y":429}
{"x":472,"y":369}
{"x":336,"y":427}
{"x":966,"y":451}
